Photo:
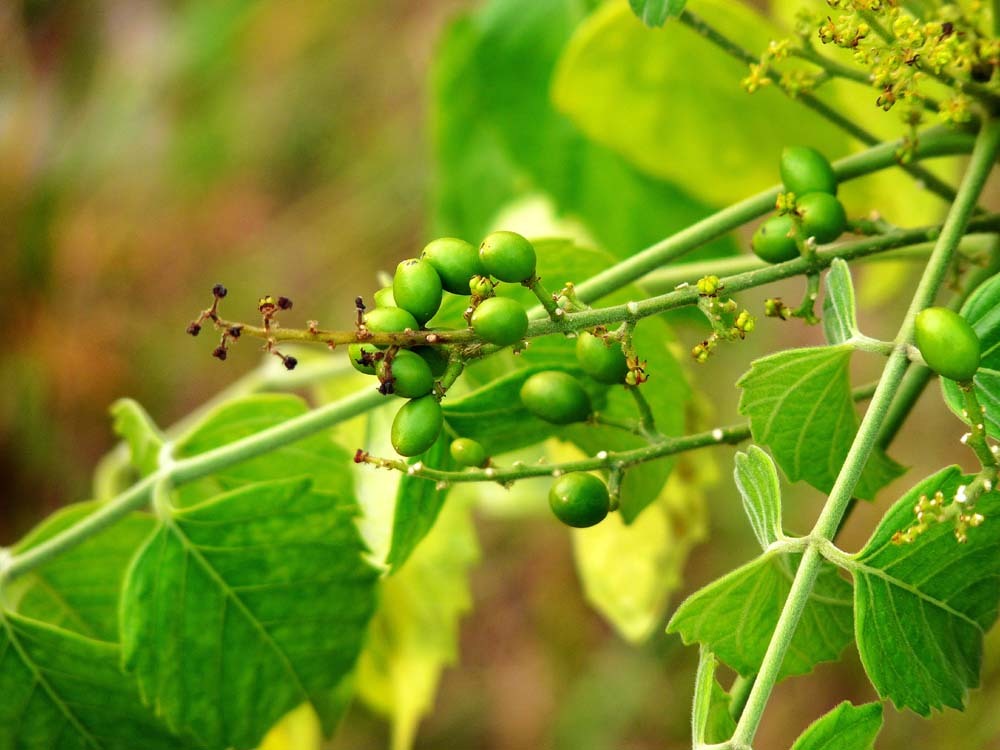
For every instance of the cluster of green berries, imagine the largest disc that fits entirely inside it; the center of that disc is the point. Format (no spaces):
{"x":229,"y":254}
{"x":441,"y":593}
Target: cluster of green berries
{"x":728,"y":322}
{"x":808,"y":207}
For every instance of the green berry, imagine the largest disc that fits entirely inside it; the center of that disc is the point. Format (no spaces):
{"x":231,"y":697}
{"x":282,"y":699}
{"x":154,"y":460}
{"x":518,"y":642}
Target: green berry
{"x":410,"y":374}
{"x":805,"y":170}
{"x":772,"y":243}
{"x":500,"y":320}
{"x":508,"y":256}
{"x":468,"y":452}
{"x":602,"y":360}
{"x":417,"y":289}
{"x":390,"y":320}
{"x":435,"y":356}
{"x":480,"y":286}
{"x":823,"y":216}
{"x":416,"y":426}
{"x":579,"y":500}
{"x":556,"y":397}
{"x":356,"y":353}
{"x":456,"y":262}
{"x":947,"y":343}
{"x":384,"y":298}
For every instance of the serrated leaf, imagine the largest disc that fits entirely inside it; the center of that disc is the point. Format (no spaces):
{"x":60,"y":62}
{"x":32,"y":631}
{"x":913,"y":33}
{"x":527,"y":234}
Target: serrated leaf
{"x":840,"y":322}
{"x":654,"y":13}
{"x":316,"y":456}
{"x":846,"y":727}
{"x":736,"y":615}
{"x":144,"y":439}
{"x":62,"y":691}
{"x":414,"y":634}
{"x":79,"y":589}
{"x":982,"y":311}
{"x":800,"y":406}
{"x":757,"y":480}
{"x":267,"y":585}
{"x":921,"y":608}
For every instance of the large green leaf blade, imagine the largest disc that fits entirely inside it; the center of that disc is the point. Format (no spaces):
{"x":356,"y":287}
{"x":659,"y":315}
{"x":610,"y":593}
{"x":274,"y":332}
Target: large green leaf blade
{"x":265,"y":583}
{"x":62,"y":691}
{"x":921,"y":608}
{"x":736,"y":615}
{"x":845,"y":727}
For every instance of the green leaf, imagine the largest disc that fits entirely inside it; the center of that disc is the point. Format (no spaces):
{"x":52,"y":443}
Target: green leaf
{"x":800,"y":406}
{"x":145,"y":440}
{"x":710,"y":719}
{"x":655,"y":12}
{"x":982,"y":310}
{"x":757,"y":481}
{"x":840,"y":322}
{"x":736,"y":615}
{"x":317,"y":456}
{"x":921,"y":608}
{"x":62,"y":691}
{"x":79,"y":589}
{"x":414,"y":634}
{"x":267,"y":585}
{"x":846,"y":727}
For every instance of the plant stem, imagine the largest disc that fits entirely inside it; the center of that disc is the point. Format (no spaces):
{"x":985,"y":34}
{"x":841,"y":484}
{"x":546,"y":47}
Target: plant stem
{"x":983,"y":157}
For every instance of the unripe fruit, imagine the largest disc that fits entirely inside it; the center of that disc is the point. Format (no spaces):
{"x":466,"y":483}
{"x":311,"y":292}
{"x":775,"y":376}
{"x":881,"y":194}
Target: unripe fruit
{"x":579,"y":500}
{"x":602,"y":360}
{"x":416,"y":288}
{"x":468,"y":452}
{"x":384,"y":298}
{"x":823,"y":216}
{"x":411,"y":375}
{"x":771,"y":241}
{"x":456,"y":262}
{"x":500,"y":320}
{"x":805,"y":170}
{"x":356,"y":352}
{"x":947,"y":342}
{"x":390,"y":320}
{"x":480,"y":286}
{"x":556,"y":397}
{"x":416,"y":426}
{"x":508,"y":256}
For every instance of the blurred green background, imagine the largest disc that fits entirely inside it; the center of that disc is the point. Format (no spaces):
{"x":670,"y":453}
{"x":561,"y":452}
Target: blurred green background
{"x":151,"y":149}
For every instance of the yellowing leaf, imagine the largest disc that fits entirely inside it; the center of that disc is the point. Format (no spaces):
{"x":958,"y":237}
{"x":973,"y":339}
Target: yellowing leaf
{"x":299,"y":730}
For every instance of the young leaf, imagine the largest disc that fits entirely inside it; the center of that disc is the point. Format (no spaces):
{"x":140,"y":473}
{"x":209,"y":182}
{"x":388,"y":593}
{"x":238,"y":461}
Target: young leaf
{"x":757,"y":481}
{"x":736,"y":615}
{"x":62,"y":691}
{"x":800,"y":406}
{"x":710,"y":719}
{"x":840,"y":322}
{"x":921,"y":608}
{"x":133,"y":424}
{"x":79,"y":589}
{"x":267,"y":585}
{"x":846,"y":727}
{"x":982,"y":310}
{"x":414,"y":634}
{"x":655,"y":12}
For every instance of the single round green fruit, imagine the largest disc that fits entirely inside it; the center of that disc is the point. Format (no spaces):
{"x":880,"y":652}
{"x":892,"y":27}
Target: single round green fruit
{"x":579,"y":500}
{"x":435,"y":356}
{"x":416,"y":288}
{"x":823,"y":216}
{"x":384,"y":298}
{"x":602,"y":360}
{"x":410,"y":374}
{"x":947,"y":342}
{"x":357,"y":354}
{"x":456,"y":262}
{"x":390,"y":320}
{"x":416,"y":426}
{"x":500,"y":320}
{"x":771,"y":241}
{"x":508,"y":256}
{"x":556,"y":397}
{"x":468,"y":452}
{"x":805,"y":170}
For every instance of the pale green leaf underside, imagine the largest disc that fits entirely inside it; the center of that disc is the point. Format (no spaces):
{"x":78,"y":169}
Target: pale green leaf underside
{"x":240,"y":608}
{"x":846,"y":727}
{"x":757,"y":480}
{"x":656,"y":12}
{"x":735,"y":616}
{"x":61,"y":691}
{"x":134,"y":425}
{"x":840,"y":321}
{"x":800,"y":406}
{"x":710,"y":719}
{"x":922,"y":608}
{"x":982,"y":310}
